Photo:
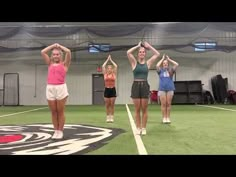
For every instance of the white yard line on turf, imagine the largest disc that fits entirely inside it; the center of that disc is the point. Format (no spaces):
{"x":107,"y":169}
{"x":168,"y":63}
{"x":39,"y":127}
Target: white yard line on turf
{"x":6,"y":115}
{"x":214,"y":107}
{"x":138,"y":140}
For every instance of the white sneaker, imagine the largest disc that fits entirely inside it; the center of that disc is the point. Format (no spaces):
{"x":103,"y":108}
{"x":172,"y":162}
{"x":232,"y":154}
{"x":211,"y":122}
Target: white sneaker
{"x":164,"y":120}
{"x":59,"y":134}
{"x":138,"y":131}
{"x":168,"y":120}
{"x":144,"y":131}
{"x":54,"y":136}
{"x":111,"y":119}
{"x":108,"y":119}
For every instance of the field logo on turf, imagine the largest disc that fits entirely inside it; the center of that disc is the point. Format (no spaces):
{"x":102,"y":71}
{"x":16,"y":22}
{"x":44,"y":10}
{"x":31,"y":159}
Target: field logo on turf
{"x":35,"y":139}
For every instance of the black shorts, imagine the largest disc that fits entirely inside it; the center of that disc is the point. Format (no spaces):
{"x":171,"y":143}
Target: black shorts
{"x":110,"y":92}
{"x":140,"y":89}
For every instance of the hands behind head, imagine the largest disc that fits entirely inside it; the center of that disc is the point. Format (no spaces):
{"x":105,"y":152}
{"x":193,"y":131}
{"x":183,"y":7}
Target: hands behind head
{"x":56,"y":45}
{"x":140,"y":44}
{"x":164,"y":55}
{"x":146,"y":45}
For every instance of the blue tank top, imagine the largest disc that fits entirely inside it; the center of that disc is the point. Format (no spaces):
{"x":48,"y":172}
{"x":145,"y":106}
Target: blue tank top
{"x":141,"y":71}
{"x":166,"y":82}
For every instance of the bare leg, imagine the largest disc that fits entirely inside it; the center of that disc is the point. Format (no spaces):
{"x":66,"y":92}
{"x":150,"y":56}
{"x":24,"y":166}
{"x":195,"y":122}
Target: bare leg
{"x":137,"y":104}
{"x":163,"y":106}
{"x":53,"y":107}
{"x":144,"y":106}
{"x":168,"y":104}
{"x":61,"y":113}
{"x":112,"y":101}
{"x":107,"y":104}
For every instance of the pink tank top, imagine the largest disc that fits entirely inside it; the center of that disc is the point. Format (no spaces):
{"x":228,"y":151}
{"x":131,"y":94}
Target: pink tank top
{"x":56,"y":74}
{"x":109,"y":80}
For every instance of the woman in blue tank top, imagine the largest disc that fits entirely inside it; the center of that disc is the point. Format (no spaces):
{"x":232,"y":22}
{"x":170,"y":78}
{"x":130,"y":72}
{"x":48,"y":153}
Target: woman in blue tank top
{"x":140,"y":88}
{"x":166,"y":85}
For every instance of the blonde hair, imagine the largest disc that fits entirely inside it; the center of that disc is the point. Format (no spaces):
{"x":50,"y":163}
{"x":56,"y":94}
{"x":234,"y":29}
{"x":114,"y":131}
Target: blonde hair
{"x":110,"y":65}
{"x":60,"y":51}
{"x":140,"y":49}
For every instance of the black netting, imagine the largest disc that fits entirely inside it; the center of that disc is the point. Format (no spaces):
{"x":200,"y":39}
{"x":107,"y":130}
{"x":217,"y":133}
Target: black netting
{"x":186,"y":34}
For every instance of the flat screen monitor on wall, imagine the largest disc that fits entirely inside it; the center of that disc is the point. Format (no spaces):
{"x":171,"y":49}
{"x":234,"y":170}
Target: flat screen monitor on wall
{"x":204,"y":46}
{"x":96,"y":48}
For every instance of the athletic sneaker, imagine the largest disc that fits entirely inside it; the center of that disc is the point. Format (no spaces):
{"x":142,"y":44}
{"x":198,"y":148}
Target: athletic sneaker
{"x":138,"y":131}
{"x":108,"y":119}
{"x":55,"y":134}
{"x":164,"y":120}
{"x":111,"y":119}
{"x":59,"y":134}
{"x":168,"y":120}
{"x":144,"y":131}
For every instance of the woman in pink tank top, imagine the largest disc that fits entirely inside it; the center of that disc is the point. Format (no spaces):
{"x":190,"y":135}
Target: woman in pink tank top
{"x":56,"y":91}
{"x":109,"y":72}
